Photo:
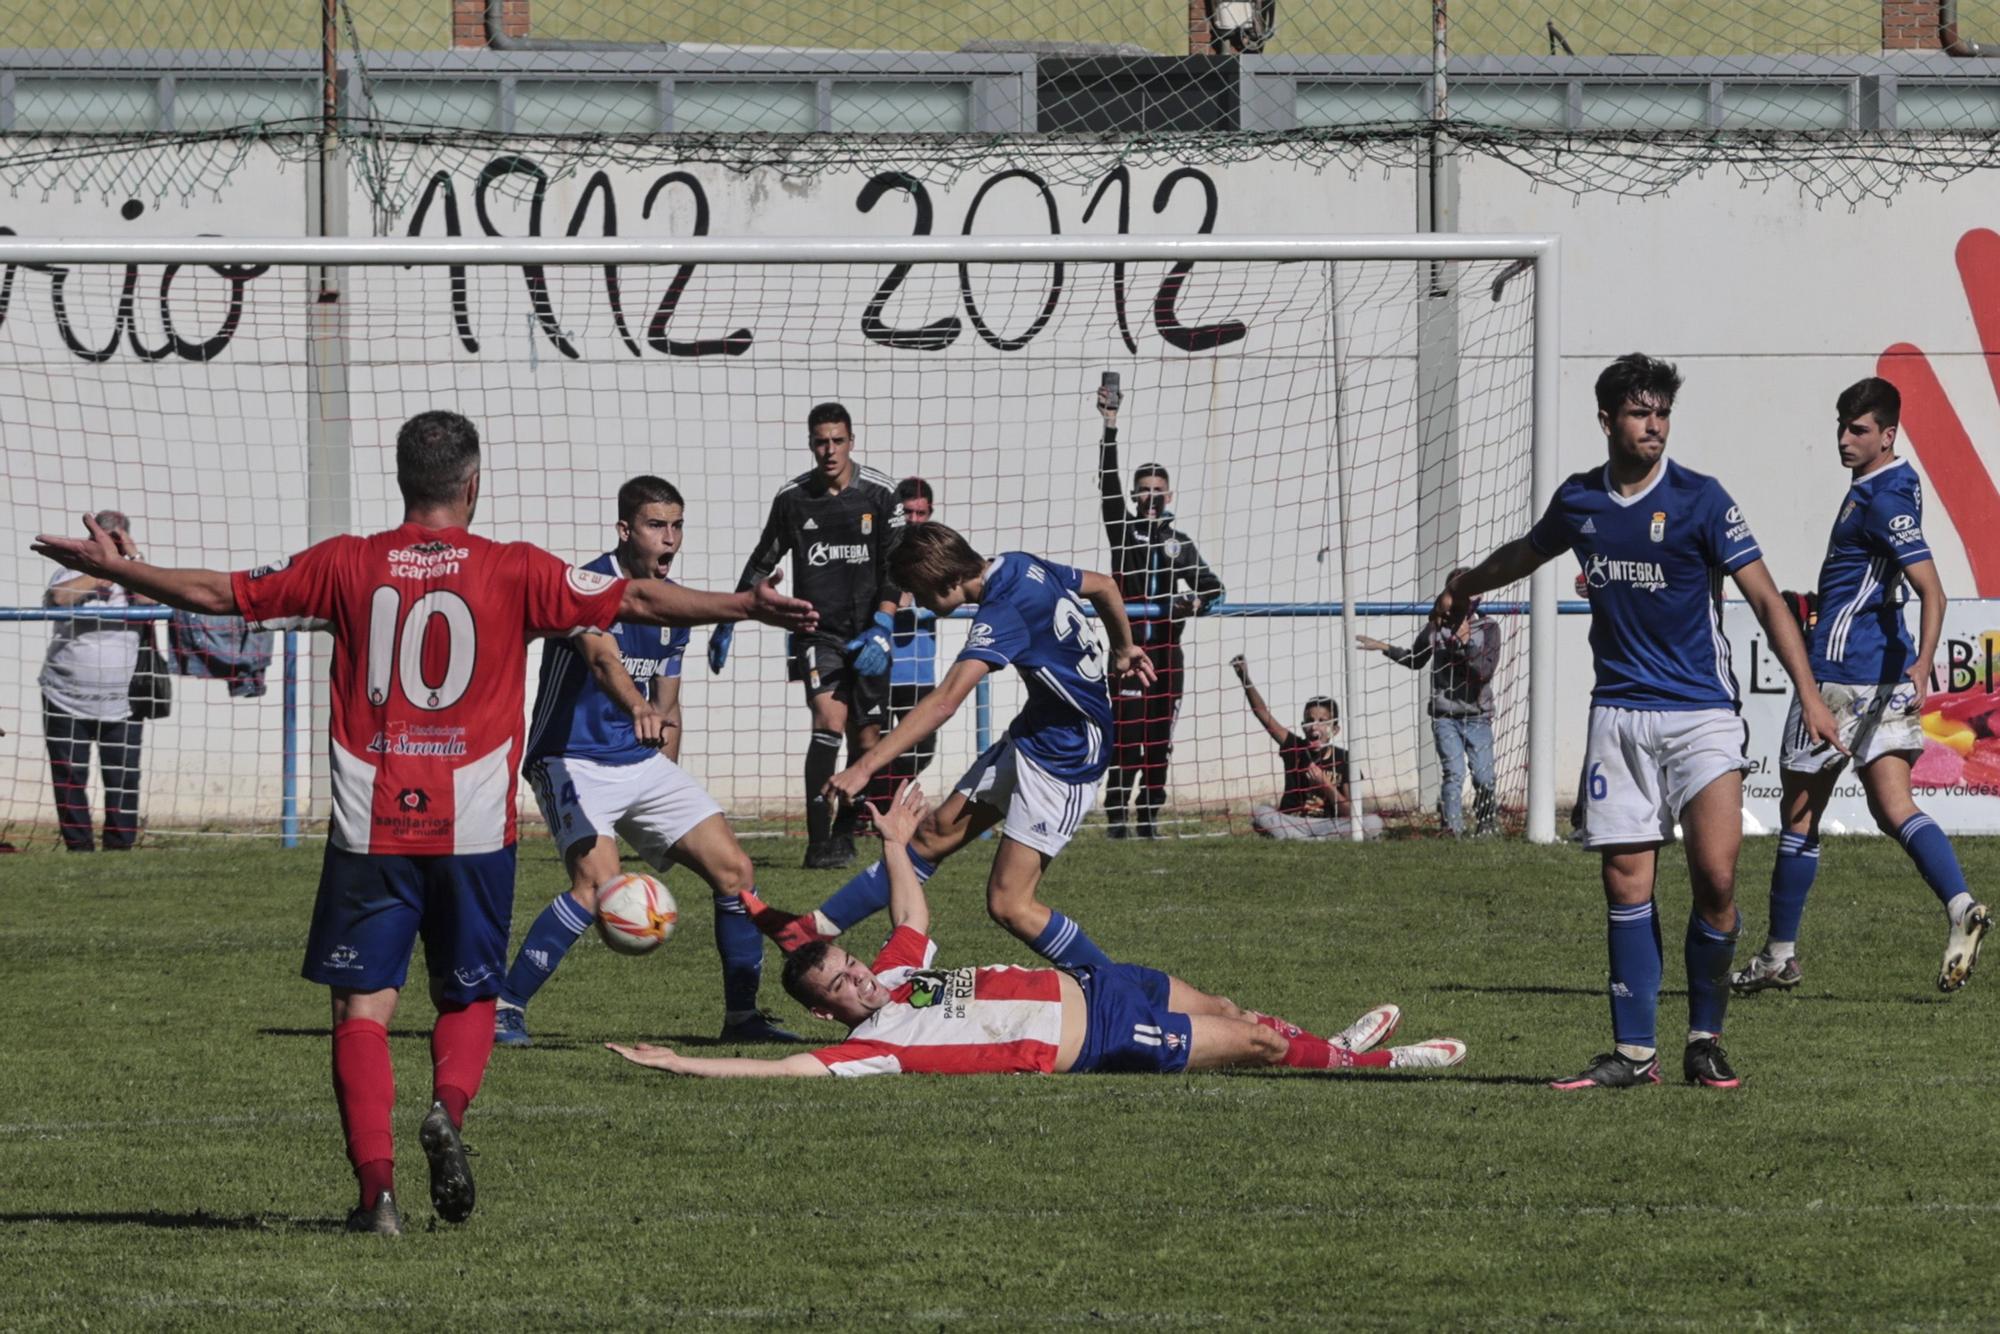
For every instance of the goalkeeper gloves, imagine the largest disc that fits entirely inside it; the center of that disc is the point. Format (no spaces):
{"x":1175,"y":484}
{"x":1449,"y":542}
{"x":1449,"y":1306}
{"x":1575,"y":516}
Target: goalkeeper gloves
{"x":871,"y":647}
{"x":718,"y":646}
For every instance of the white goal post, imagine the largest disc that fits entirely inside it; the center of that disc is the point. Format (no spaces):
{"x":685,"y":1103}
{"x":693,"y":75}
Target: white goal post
{"x":328,"y":357}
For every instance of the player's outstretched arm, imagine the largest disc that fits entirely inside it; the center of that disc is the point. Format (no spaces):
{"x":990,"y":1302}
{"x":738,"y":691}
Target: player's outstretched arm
{"x":932,"y":712}
{"x":607,"y":668}
{"x":1923,"y":577}
{"x":98,"y":555}
{"x":897,"y":821}
{"x":1127,"y":658}
{"x":1513,"y":561}
{"x":657,"y":602}
{"x":1782,"y":629}
{"x":1258,"y":709}
{"x":797,"y":1065}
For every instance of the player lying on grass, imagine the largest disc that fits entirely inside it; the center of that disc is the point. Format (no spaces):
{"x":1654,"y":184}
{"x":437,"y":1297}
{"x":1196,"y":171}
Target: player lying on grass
{"x":1040,"y":779}
{"x":905,"y":1017}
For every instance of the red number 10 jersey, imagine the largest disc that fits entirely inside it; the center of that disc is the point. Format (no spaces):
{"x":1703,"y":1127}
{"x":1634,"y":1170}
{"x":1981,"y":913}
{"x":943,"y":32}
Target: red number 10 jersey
{"x":430,"y":646}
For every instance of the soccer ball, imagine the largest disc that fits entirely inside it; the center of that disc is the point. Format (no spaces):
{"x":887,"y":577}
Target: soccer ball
{"x":635,"y":914}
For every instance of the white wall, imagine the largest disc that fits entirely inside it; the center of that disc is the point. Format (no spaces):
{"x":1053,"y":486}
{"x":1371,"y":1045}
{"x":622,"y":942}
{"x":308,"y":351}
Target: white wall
{"x":1771,"y":305}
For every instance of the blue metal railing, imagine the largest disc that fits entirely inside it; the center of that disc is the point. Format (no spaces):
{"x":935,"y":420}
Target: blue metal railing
{"x":982,"y":702}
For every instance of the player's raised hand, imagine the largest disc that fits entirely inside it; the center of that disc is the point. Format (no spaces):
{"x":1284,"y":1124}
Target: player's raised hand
{"x":96,"y":553}
{"x":646,"y":1054}
{"x":1131,"y":663}
{"x":771,"y":607}
{"x":1370,"y":642}
{"x":1241,"y":666}
{"x":898,"y":818}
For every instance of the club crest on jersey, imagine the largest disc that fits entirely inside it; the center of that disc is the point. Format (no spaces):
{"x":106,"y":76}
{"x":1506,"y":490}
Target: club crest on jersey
{"x":867,"y":524}
{"x":1658,"y":531}
{"x":1173,"y":548}
{"x":1847,"y":510}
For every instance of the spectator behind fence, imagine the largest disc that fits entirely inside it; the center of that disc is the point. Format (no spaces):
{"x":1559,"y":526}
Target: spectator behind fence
{"x":1317,"y":802}
{"x":86,"y":686}
{"x":1462,"y":653}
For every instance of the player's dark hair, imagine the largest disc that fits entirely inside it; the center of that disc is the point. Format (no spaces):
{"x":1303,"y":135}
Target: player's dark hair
{"x":1873,"y":396}
{"x":828,"y":412}
{"x":931,"y":559}
{"x":914,"y":488}
{"x":1145,"y":470}
{"x":646,"y":490}
{"x":1320,"y":702}
{"x":1636,"y":378}
{"x":435,"y":453}
{"x":805,"y":959}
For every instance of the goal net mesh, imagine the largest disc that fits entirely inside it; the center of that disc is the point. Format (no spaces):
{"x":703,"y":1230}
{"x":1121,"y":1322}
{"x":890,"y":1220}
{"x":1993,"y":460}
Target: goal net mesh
{"x":234,"y":414}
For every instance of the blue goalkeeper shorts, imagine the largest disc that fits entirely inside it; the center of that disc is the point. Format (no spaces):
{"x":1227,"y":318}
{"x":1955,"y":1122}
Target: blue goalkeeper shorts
{"x":372,"y":907}
{"x":1128,"y":1028}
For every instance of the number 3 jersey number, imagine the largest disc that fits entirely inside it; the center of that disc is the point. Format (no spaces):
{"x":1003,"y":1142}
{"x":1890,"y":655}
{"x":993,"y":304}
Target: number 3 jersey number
{"x":397,"y":641}
{"x":1073,"y":624}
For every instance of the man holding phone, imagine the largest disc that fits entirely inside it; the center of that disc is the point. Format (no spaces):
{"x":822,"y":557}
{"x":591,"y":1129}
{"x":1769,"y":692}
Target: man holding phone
{"x":1149,"y":558}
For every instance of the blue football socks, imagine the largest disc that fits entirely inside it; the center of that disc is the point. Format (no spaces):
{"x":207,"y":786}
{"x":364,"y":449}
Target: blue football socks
{"x":867,"y":893}
{"x":741,"y":946}
{"x":543,"y":948}
{"x":1709,"y":954}
{"x":1936,"y":862}
{"x":1791,"y":880}
{"x":1633,"y":935}
{"x":1063,"y":942}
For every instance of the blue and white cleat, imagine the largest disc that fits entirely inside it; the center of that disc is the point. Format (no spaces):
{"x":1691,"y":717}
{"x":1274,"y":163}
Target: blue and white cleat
{"x":510,"y":1027}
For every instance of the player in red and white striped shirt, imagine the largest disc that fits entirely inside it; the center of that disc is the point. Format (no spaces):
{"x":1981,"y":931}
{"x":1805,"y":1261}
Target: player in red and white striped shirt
{"x":905,"y":1017}
{"x":430,"y":627}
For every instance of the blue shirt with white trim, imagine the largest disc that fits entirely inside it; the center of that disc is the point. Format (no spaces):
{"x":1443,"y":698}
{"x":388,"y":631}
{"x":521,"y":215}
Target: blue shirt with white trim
{"x":573,"y":717}
{"x":1860,"y":637}
{"x":1031,"y":617}
{"x":1654,"y":562}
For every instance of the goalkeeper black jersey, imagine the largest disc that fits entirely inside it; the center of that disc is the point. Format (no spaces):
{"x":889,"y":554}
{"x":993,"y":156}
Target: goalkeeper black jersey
{"x":839,"y":545}
{"x":1150,"y":558}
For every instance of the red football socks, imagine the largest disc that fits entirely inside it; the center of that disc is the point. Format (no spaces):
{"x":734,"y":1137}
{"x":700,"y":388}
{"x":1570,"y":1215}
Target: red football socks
{"x":461,"y":1045}
{"x":1282,"y":1027}
{"x":1307,"y":1052}
{"x":364,"y":1086}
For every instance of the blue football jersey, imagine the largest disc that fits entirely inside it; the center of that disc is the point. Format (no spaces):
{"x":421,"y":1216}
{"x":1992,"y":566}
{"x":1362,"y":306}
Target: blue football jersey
{"x":1654,"y":563}
{"x":573,"y":717}
{"x":1030,"y":616}
{"x":1860,"y":638}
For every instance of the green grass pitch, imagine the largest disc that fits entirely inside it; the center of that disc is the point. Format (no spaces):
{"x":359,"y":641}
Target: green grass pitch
{"x":170,"y":1155}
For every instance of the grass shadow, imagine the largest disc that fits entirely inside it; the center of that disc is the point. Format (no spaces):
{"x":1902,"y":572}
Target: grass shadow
{"x":174,"y":1222}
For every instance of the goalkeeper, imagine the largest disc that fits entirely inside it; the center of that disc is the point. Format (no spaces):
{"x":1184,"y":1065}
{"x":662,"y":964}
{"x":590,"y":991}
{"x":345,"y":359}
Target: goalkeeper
{"x":1149,"y":558}
{"x":838,"y":522}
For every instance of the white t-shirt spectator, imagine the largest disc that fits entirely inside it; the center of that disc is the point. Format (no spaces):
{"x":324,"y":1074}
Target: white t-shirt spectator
{"x":88,"y":671}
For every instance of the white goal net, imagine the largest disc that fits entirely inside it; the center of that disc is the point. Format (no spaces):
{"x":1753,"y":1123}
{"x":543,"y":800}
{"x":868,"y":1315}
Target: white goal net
{"x":1339,"y":428}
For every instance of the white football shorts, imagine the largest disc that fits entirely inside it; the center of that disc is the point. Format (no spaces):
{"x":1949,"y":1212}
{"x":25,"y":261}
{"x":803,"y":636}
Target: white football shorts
{"x":1874,"y":721}
{"x":1642,"y":766}
{"x":653,"y":803}
{"x":1042,"y":811}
